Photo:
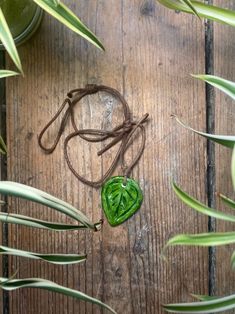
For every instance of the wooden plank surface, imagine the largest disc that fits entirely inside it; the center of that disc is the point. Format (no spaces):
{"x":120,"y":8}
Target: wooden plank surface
{"x":150,"y":52}
{"x":224,"y":42}
{"x":3,"y":174}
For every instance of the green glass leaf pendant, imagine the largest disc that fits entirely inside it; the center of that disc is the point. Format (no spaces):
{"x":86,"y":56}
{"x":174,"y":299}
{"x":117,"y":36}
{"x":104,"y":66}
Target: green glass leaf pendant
{"x":120,"y":201}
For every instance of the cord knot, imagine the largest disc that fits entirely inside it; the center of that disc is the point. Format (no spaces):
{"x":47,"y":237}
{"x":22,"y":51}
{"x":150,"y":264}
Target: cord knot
{"x":127,"y":126}
{"x":91,"y":88}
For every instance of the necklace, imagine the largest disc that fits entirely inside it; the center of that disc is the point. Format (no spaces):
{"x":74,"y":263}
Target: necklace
{"x":121,"y":196}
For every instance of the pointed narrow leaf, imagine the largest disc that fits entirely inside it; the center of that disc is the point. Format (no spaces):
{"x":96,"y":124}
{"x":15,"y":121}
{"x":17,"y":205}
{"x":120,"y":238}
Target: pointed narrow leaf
{"x":7,"y":73}
{"x":50,"y":286}
{"x":201,"y":208}
{"x":69,"y":19}
{"x":203,"y":239}
{"x":228,"y":87}
{"x":225,"y":140}
{"x":3,"y":148}
{"x":233,"y":167}
{"x":37,"y":223}
{"x":38,"y":196}
{"x":11,"y":277}
{"x":212,"y":12}
{"x":227,"y":200}
{"x":233,"y":260}
{"x":8,"y":41}
{"x":204,"y":297}
{"x":212,"y":306}
{"x":61,"y":259}
{"x":190,"y":5}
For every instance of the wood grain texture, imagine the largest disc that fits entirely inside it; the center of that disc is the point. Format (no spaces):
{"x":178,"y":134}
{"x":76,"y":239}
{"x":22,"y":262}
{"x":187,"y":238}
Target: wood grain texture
{"x":224,"y":42}
{"x":3,"y":174}
{"x":150,"y":53}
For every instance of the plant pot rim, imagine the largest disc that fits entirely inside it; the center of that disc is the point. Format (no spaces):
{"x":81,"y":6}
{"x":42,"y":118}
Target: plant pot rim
{"x":29,"y":30}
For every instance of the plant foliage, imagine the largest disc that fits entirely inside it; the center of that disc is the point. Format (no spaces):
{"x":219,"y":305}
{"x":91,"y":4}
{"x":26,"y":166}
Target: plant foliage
{"x":29,"y":193}
{"x":214,"y":305}
{"x":39,"y":283}
{"x":8,"y":42}
{"x":3,"y":148}
{"x":63,"y":14}
{"x":26,"y":192}
{"x":59,"y":11}
{"x":211,"y":12}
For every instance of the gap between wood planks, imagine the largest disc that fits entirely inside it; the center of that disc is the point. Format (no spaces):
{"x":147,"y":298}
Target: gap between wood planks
{"x":210,"y":128}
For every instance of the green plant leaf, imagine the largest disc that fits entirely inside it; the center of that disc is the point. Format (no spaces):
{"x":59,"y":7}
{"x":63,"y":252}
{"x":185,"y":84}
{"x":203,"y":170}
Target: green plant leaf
{"x":8,"y":42}
{"x":190,"y":5}
{"x":3,"y":148}
{"x":69,"y":19}
{"x":211,"y":12}
{"x":39,"y":283}
{"x":233,"y":260}
{"x":7,"y":73}
{"x":61,"y":259}
{"x":204,"y":297}
{"x":227,"y":200}
{"x":225,"y":140}
{"x":37,"y":223}
{"x":38,"y":196}
{"x":203,"y":239}
{"x":212,"y":306}
{"x":201,"y":208}
{"x":233,"y":167}
{"x":228,"y":87}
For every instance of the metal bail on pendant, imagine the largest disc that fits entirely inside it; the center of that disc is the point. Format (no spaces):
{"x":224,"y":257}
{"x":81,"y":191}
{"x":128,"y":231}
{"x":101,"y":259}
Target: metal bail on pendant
{"x":121,"y":197}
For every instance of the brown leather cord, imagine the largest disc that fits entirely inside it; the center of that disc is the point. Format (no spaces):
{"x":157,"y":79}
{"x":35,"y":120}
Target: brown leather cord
{"x":121,"y":133}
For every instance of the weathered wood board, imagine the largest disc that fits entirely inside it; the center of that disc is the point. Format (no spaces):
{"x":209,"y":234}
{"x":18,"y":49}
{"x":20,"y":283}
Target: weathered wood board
{"x":224,"y":43}
{"x":150,"y":53}
{"x":3,"y":169}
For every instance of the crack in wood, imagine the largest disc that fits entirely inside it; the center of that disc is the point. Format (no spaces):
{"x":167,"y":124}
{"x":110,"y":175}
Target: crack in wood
{"x":210,"y":127}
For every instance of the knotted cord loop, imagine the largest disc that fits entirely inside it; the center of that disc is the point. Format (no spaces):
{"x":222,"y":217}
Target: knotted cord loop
{"x":121,"y":133}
